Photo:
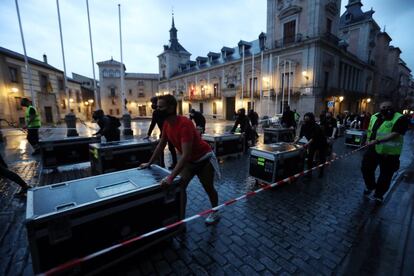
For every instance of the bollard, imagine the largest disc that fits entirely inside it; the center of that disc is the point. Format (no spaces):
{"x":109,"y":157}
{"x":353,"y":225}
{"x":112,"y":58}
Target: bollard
{"x":70,"y":120}
{"x":126,"y":119}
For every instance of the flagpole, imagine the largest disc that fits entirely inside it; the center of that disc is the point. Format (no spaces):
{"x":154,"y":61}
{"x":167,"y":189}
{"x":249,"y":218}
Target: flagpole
{"x":98,"y":100}
{"x":252,"y":85}
{"x":26,"y":62}
{"x":278,"y":83}
{"x":122,"y":61}
{"x":270,"y":83}
{"x":70,"y":118}
{"x":283,"y":87}
{"x":290,"y":81}
{"x":126,"y":116}
{"x":242,"y":77}
{"x":261,"y":83}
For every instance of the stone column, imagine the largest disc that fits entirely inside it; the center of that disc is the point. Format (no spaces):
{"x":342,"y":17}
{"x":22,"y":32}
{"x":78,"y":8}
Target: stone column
{"x":126,"y":119}
{"x":70,"y":120}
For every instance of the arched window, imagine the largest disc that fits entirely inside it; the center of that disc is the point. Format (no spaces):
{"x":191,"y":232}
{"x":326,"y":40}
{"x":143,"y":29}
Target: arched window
{"x":105,"y":73}
{"x":117,"y":74}
{"x":111,"y":73}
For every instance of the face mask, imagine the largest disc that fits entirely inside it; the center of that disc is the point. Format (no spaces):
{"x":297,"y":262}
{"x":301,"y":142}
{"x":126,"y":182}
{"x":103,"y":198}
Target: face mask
{"x":388,"y":112}
{"x":164,"y":113}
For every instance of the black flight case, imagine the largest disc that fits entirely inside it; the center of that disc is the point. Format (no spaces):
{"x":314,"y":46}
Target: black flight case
{"x":73,"y":219}
{"x":225,"y":144}
{"x":120,"y":155}
{"x":274,"y":135}
{"x":355,"y":137}
{"x":65,"y":151}
{"x":270,"y":163}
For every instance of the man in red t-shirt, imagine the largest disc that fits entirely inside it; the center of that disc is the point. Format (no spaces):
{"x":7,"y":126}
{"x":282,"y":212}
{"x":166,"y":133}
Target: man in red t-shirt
{"x":197,"y":157}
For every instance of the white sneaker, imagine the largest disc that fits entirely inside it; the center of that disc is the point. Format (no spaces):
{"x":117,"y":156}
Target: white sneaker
{"x":212,"y":218}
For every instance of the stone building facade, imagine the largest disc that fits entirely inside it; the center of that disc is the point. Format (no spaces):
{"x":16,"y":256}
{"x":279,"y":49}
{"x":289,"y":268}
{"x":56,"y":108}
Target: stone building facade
{"x":365,"y":40}
{"x":14,"y":85}
{"x":139,"y":88}
{"x":310,"y":58}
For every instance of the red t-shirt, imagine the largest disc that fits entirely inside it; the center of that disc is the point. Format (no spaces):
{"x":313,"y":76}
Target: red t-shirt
{"x":184,"y":131}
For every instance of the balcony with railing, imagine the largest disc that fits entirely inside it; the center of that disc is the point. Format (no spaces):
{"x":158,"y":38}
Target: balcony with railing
{"x":288,"y":41}
{"x":203,"y":97}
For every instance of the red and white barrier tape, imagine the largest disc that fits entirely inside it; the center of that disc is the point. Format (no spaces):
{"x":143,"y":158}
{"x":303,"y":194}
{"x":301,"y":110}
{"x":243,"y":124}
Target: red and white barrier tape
{"x":76,"y":262}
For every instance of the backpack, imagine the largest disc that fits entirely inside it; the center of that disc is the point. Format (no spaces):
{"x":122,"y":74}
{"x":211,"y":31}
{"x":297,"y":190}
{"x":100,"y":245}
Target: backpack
{"x":114,"y":121}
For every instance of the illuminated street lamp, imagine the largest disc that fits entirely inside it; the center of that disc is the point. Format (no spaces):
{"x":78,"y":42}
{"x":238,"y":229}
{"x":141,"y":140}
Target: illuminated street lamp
{"x":14,"y":90}
{"x":368,"y":100}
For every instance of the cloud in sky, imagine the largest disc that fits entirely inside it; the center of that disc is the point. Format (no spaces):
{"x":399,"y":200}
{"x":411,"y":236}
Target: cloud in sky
{"x":203,"y":26}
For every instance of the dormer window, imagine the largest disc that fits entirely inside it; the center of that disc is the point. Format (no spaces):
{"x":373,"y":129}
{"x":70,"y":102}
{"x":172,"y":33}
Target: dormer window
{"x":348,"y":17}
{"x":244,"y":45}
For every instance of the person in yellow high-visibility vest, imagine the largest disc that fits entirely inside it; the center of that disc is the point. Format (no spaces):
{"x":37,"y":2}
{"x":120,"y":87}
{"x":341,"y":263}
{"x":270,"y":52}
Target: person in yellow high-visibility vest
{"x":32,"y":120}
{"x":385,"y":139}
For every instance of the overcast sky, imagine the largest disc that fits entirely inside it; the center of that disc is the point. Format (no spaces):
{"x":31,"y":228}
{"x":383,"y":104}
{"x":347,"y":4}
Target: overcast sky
{"x":202,"y":25}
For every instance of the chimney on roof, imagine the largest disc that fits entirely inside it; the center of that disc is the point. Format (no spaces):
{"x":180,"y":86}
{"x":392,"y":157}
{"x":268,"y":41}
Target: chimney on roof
{"x":44,"y":58}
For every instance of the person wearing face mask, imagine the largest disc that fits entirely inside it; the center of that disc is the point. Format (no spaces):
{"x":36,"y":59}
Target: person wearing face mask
{"x":317,"y":144}
{"x":197,"y":157}
{"x":385,"y":140}
{"x":158,"y":119}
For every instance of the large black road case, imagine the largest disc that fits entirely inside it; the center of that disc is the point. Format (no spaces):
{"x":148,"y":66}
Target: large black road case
{"x":272,"y":162}
{"x":275,"y":135}
{"x":65,"y":151}
{"x":73,"y":219}
{"x":120,"y":155}
{"x":355,"y":137}
{"x":225,"y":144}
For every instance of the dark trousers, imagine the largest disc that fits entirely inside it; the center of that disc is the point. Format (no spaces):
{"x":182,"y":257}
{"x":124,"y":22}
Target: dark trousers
{"x":316,"y":153}
{"x":171,"y":148}
{"x":388,"y":164}
{"x":33,"y":137}
{"x":6,"y":173}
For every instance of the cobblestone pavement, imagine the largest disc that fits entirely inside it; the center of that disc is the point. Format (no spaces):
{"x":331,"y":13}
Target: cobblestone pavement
{"x":313,"y":227}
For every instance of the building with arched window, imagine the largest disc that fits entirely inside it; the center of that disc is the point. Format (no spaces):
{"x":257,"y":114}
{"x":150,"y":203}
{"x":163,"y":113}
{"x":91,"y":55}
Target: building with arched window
{"x":310,"y":58}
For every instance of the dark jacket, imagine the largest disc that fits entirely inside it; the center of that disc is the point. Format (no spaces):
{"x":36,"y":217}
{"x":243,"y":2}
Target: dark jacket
{"x":288,"y":119}
{"x":254,"y":118}
{"x":156,"y":119}
{"x":199,"y":119}
{"x":313,"y":131}
{"x":108,"y":129}
{"x":245,"y":126}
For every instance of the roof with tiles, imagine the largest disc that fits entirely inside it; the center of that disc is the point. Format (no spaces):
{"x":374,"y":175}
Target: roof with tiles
{"x":226,"y":55}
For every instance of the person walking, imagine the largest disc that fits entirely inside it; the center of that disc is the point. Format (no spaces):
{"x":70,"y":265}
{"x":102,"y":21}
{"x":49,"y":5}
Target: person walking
{"x":197,"y":157}
{"x":198,"y":119}
{"x":32,"y":124}
{"x":385,"y":141}
{"x":158,"y":119}
{"x":317,"y":144}
{"x":6,"y":173}
{"x":108,"y":126}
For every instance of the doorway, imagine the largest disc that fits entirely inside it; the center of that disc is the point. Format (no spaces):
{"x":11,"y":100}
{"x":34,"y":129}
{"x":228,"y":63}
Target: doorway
{"x":48,"y":114}
{"x":180,"y":107}
{"x":230,"y":108}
